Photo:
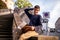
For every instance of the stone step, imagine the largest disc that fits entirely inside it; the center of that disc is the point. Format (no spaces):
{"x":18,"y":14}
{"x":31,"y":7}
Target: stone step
{"x":6,"y":22}
{"x":5,"y":38}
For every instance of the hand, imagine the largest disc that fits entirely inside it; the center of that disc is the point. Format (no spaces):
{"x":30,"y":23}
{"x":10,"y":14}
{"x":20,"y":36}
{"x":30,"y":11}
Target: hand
{"x":33,"y":27}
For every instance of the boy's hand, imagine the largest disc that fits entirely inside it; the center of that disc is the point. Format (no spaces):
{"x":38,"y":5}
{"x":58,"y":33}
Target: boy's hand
{"x":33,"y":27}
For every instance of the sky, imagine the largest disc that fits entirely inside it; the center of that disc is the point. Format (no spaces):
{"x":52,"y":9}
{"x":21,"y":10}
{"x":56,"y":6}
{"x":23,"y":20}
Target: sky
{"x":52,"y":6}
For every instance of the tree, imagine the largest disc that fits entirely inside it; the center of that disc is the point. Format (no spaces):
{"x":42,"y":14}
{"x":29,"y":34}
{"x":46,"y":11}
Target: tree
{"x":2,"y":5}
{"x":23,"y":3}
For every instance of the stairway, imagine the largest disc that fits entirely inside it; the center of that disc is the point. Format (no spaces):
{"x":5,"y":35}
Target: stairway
{"x":6,"y":22}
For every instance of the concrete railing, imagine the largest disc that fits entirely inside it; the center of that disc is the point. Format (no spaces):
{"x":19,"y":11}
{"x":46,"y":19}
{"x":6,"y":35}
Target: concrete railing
{"x":18,"y":21}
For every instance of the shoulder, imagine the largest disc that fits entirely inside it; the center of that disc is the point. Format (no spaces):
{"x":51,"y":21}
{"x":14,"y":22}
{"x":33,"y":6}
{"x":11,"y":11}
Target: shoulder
{"x":39,"y":16}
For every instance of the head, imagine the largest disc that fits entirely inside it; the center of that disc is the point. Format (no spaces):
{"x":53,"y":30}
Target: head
{"x":36,"y":9}
{"x":27,"y":28}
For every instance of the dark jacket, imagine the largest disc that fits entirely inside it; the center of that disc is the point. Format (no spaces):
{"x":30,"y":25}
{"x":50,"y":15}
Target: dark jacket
{"x":35,"y":20}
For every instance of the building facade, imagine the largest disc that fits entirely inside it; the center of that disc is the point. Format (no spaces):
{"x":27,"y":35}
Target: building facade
{"x":57,"y":24}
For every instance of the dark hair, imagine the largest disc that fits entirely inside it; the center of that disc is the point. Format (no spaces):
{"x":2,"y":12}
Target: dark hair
{"x":26,"y":29}
{"x":37,"y":6}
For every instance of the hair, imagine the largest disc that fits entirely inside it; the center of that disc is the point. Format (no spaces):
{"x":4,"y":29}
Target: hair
{"x":26,"y":29}
{"x":37,"y":6}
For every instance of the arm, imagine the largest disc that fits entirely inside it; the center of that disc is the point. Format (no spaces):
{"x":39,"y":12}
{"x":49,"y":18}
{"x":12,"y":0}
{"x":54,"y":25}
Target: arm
{"x":27,"y":12}
{"x":40,"y":20}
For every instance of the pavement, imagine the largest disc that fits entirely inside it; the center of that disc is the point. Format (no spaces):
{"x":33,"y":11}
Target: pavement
{"x":51,"y":34}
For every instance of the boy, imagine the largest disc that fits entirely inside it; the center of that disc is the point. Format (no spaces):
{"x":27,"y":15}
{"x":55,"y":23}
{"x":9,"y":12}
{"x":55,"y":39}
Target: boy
{"x":35,"y":20}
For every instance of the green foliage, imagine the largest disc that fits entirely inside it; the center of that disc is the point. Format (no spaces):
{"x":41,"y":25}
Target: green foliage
{"x":2,"y":5}
{"x":23,"y":3}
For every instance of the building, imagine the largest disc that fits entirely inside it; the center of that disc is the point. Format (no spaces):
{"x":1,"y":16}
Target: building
{"x":9,"y":3}
{"x":57,"y":24}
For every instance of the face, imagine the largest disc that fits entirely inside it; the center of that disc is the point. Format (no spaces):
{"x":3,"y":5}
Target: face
{"x":36,"y":10}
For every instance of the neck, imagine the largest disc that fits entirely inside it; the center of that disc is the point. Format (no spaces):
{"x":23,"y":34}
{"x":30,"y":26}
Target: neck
{"x":35,"y":14}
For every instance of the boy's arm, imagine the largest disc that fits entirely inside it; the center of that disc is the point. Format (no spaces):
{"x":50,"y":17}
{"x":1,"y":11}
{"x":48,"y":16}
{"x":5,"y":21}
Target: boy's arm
{"x":40,"y":20}
{"x":27,"y":12}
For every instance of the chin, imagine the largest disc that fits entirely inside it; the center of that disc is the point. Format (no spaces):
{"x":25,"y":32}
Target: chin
{"x":36,"y":14}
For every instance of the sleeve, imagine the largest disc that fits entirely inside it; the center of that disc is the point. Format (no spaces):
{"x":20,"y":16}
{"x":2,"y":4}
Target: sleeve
{"x":27,"y":12}
{"x":41,"y":20}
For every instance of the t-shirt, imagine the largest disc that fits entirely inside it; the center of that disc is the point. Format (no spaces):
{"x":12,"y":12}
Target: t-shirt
{"x":35,"y":20}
